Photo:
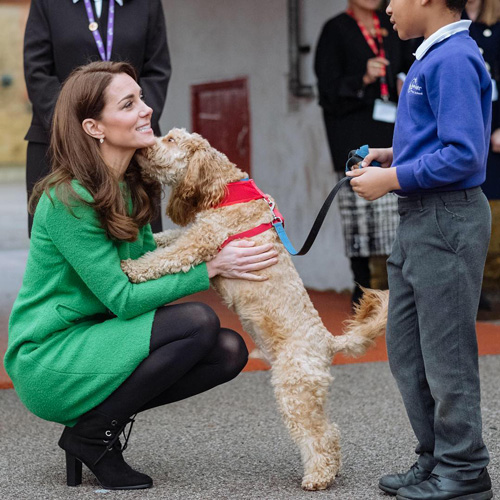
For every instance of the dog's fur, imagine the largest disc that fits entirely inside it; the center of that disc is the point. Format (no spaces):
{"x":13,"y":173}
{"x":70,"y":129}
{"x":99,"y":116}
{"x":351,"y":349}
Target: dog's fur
{"x":277,"y":313}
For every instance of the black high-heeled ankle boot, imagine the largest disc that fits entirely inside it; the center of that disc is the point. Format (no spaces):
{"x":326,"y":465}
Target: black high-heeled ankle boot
{"x":94,"y":441}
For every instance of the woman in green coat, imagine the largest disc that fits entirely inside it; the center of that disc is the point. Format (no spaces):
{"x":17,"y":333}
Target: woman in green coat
{"x":87,"y":348}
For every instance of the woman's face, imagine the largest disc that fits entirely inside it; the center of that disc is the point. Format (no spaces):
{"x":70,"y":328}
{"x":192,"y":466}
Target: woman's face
{"x":126,"y":119}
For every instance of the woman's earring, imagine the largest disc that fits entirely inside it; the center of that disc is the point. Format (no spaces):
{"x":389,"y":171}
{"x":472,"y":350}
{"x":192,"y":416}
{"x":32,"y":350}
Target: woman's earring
{"x":101,"y":140}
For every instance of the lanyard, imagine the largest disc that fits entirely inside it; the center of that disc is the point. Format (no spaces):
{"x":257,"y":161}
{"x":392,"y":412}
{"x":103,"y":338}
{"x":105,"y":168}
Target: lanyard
{"x":93,"y":26}
{"x":378,"y":51}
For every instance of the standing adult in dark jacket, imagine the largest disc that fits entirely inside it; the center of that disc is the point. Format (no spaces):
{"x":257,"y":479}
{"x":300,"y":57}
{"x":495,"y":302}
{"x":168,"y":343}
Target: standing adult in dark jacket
{"x":349,"y":65}
{"x":485,"y":30}
{"x":60,"y":37}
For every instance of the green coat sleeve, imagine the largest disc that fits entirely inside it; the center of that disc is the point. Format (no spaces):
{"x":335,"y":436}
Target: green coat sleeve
{"x":79,"y":237}
{"x":149,"y":239}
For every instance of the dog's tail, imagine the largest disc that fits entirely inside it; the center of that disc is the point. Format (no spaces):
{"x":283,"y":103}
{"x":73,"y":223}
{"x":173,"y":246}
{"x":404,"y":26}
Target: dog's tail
{"x":368,"y":322}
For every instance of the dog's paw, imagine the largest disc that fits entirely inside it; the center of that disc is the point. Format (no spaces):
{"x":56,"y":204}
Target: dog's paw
{"x":125,"y":265}
{"x":129,"y":267}
{"x":317,"y":481}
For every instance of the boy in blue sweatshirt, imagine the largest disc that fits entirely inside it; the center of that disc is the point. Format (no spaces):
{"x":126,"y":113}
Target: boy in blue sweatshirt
{"x":435,"y":270}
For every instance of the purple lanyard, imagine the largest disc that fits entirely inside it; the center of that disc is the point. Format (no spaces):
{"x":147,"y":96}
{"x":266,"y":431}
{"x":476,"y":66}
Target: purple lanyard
{"x":105,"y":56}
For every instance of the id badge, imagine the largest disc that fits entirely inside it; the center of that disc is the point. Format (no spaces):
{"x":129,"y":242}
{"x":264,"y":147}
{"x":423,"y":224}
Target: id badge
{"x":494,"y":90}
{"x":384,"y":111}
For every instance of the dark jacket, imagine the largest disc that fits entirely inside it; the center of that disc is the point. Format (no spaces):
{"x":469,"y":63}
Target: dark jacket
{"x":489,"y":44}
{"x":490,"y":48}
{"x":57,"y":40}
{"x":340,"y":63}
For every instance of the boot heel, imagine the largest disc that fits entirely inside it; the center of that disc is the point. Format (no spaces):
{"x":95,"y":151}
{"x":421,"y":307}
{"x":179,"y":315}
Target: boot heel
{"x":73,"y":470}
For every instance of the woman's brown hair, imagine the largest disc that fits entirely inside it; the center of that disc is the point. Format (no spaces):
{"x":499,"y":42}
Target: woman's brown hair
{"x":76,"y":156}
{"x":489,"y":13}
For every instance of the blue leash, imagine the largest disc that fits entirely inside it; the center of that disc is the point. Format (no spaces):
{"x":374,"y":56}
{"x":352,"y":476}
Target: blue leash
{"x":353,"y":159}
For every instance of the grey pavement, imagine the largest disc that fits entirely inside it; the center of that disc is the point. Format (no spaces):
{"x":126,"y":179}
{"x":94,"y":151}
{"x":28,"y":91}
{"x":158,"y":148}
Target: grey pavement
{"x":230,"y":443}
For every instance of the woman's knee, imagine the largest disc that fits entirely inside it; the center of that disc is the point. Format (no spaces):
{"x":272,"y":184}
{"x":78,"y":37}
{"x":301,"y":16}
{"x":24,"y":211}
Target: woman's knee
{"x":205,"y":323}
{"x":233,"y":352}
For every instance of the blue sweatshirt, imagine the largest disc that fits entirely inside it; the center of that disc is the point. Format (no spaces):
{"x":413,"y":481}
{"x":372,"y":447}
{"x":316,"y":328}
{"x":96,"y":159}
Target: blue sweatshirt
{"x":442,"y":130}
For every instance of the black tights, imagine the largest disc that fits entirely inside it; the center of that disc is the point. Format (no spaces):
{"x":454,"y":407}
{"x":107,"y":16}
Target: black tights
{"x":361,"y":270}
{"x":189,"y":354}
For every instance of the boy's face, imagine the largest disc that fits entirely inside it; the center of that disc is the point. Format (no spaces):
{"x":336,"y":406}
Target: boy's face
{"x":405,"y":17}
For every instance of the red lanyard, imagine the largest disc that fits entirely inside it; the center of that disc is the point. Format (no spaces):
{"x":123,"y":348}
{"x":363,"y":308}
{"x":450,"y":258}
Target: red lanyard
{"x":378,"y":51}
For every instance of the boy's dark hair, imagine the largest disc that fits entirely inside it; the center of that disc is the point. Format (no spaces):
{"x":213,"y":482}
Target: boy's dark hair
{"x":456,"y":5}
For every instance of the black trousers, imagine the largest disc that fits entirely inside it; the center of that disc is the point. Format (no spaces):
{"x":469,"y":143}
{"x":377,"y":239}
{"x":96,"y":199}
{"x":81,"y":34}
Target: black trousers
{"x":38,"y":166}
{"x":189,"y":354}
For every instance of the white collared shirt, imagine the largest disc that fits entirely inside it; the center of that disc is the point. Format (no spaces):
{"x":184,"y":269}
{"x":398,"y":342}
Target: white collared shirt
{"x":440,"y":35}
{"x":98,"y":5}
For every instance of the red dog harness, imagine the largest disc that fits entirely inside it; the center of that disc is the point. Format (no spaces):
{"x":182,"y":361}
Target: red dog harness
{"x":243,"y":192}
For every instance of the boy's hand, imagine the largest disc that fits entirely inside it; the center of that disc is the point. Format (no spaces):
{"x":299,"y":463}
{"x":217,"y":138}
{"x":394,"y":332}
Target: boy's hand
{"x":372,"y":183}
{"x":382,"y":155}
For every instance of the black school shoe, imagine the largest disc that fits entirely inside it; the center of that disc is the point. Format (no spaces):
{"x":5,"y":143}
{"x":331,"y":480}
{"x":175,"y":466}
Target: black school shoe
{"x":393,"y":482}
{"x":442,"y":488}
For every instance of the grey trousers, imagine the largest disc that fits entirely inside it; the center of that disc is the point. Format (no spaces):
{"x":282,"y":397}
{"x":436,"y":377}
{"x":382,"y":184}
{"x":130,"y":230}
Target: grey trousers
{"x":435,"y":274}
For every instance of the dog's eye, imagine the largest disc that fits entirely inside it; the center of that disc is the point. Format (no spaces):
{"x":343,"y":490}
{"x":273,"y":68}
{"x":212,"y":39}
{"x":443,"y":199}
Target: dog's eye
{"x":171,"y":139}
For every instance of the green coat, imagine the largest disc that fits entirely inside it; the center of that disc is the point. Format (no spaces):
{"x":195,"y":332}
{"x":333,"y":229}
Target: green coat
{"x":66,"y":351}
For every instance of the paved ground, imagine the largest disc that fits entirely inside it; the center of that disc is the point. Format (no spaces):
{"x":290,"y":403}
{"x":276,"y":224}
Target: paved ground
{"x":230,"y":443}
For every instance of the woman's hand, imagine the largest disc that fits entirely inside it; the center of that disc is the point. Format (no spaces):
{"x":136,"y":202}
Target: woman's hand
{"x":495,"y":141}
{"x":383,"y":155}
{"x":375,"y":68}
{"x":240,"y":258}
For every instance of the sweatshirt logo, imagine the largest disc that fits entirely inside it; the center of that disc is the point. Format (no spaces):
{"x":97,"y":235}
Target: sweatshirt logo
{"x":415,"y":88}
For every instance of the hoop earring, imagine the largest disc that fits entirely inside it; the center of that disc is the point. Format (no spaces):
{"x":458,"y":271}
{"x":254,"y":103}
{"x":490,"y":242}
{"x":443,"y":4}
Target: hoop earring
{"x":101,"y":140}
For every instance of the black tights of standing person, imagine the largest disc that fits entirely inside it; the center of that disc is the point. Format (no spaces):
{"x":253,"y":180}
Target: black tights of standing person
{"x":360,"y":267}
{"x":189,"y":353}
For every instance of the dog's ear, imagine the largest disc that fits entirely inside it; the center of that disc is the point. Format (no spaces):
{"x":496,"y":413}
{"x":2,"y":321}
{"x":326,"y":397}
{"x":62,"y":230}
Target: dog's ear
{"x":210,"y":168}
{"x":203,"y":186}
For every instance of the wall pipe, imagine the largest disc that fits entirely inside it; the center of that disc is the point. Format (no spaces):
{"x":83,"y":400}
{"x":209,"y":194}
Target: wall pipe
{"x":295,"y":49}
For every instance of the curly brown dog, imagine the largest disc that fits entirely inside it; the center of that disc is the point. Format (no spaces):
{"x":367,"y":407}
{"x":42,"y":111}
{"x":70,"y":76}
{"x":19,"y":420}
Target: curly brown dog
{"x":277,"y":313}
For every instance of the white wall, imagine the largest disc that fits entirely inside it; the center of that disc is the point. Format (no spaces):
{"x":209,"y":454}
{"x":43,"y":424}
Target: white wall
{"x":224,"y":39}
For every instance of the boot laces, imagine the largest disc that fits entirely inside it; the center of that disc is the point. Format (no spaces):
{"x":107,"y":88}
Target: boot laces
{"x":111,"y":443}
{"x":127,"y":436}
